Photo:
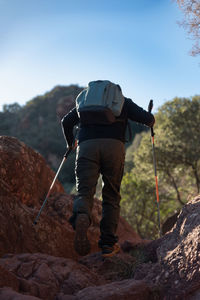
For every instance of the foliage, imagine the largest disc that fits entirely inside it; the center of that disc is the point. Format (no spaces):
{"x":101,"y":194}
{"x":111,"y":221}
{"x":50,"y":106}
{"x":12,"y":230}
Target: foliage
{"x":191,"y":9}
{"x":11,"y":108}
{"x":177,"y":143}
{"x":179,"y":138}
{"x":136,"y":207}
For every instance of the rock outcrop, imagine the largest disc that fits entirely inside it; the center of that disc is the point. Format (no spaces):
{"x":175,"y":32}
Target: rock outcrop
{"x":38,"y":262}
{"x":24,"y":173}
{"x":176,"y":269}
{"x":48,"y":277}
{"x":25,"y":180}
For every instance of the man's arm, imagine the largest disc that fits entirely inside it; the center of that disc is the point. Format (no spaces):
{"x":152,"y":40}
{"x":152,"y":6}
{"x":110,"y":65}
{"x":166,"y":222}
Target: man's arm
{"x":68,"y":122}
{"x":138,"y":114}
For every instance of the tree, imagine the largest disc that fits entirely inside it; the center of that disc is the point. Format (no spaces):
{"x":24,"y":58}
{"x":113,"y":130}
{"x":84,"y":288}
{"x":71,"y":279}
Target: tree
{"x":177,"y":144}
{"x":191,"y":9}
{"x":11,"y":108}
{"x":136,"y":204}
{"x":179,"y":135}
{"x":138,"y":191}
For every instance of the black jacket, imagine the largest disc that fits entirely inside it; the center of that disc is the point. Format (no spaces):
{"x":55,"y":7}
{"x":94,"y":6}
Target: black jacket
{"x":115,"y":130}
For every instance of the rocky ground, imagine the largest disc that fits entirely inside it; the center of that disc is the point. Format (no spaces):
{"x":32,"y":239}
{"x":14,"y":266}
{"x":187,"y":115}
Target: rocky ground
{"x":38,"y":262}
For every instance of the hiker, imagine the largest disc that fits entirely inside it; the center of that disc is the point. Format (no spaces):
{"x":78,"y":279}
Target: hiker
{"x":100,"y":150}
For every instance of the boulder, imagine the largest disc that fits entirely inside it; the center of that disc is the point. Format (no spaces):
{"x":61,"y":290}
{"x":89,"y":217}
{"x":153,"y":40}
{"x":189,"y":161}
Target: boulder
{"x":9,"y":294}
{"x":41,"y":276}
{"x":179,"y":253}
{"x":8,"y":279}
{"x":25,"y":174}
{"x":45,"y":276}
{"x":169,"y":223}
{"x":176,"y":269}
{"x":127,"y":289}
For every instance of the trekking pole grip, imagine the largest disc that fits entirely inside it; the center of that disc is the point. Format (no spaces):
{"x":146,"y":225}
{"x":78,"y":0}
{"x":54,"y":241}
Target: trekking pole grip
{"x":150,"y":107}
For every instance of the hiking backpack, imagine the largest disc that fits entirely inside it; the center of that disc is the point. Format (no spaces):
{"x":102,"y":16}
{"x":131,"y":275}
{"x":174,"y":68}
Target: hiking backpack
{"x":100,"y":103}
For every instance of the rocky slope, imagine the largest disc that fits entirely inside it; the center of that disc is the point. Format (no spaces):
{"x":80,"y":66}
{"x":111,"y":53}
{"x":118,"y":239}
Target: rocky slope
{"x":25,"y":180}
{"x":38,"y":262}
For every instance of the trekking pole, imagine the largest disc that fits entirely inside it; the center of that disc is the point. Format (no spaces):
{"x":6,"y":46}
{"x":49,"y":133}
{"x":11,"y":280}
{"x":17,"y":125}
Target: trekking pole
{"x":47,"y":196}
{"x":155,"y":170}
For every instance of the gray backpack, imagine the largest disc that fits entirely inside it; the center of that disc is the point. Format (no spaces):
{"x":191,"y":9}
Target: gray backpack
{"x":100,"y":103}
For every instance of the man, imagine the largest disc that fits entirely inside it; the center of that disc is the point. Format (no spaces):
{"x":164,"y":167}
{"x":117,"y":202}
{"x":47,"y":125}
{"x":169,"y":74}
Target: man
{"x":100,"y":151}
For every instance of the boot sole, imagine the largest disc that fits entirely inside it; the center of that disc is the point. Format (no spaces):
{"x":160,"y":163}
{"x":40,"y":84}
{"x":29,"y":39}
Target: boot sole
{"x":81,"y":242}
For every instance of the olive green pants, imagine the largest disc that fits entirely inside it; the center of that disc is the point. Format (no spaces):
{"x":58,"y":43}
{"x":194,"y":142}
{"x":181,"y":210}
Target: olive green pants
{"x":95,"y":157}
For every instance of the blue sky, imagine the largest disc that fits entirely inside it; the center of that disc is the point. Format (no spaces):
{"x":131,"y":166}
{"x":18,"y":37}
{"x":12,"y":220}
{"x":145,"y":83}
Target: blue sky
{"x":137,"y":44}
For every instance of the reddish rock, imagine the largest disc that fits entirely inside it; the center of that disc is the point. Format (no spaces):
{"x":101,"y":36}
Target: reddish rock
{"x":167,"y":268}
{"x":177,"y":270}
{"x":127,"y":289}
{"x":126,"y":233}
{"x":179,"y":253}
{"x":25,"y":180}
{"x":9,"y":294}
{"x":119,"y":267}
{"x":46,"y":276}
{"x":169,"y":223}
{"x":8,"y":279}
{"x":20,"y":235}
{"x":24,"y":173}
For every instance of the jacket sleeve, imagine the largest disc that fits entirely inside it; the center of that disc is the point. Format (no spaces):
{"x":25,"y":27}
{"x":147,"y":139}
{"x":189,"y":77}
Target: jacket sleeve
{"x":138,"y":114}
{"x":68,"y":122}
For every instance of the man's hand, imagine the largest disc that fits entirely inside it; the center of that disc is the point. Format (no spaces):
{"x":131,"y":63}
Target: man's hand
{"x":70,"y":148}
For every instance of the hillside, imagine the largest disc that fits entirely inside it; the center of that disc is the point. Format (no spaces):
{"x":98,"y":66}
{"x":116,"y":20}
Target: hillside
{"x":37,"y":124}
{"x":39,"y":262}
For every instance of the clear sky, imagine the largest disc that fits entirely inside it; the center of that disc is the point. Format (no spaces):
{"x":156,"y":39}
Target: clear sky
{"x":137,"y":44}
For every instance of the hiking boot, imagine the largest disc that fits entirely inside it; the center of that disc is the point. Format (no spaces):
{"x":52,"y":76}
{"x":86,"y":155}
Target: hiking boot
{"x":109,"y":251}
{"x":81,"y":242}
